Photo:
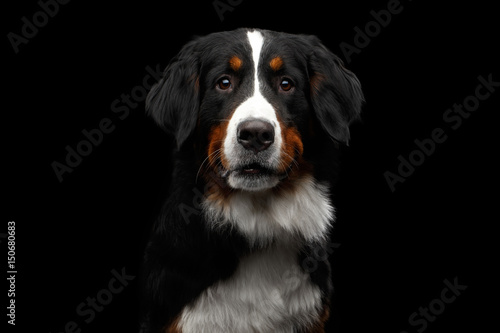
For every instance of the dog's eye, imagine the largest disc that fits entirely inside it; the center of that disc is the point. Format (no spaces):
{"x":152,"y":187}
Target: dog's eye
{"x":224,"y":83}
{"x":286,"y":85}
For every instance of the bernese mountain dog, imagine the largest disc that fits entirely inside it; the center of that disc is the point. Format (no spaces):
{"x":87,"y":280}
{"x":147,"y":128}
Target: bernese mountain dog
{"x":242,"y":241}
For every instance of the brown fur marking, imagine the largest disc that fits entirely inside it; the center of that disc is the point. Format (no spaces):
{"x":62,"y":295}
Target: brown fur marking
{"x":276,"y":63}
{"x":319,"y":325}
{"x":235,"y":63}
{"x":174,"y":326}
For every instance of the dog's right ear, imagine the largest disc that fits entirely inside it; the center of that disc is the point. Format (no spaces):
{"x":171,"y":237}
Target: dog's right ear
{"x":174,"y":101}
{"x":336,"y":93}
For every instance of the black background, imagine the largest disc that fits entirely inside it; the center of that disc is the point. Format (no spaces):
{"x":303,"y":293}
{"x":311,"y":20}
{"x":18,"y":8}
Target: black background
{"x":396,"y":247}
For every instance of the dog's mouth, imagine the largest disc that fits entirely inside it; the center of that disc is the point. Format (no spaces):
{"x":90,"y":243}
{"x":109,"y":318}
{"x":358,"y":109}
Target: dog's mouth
{"x":249,"y":170}
{"x":252,"y":177}
{"x":254,"y":169}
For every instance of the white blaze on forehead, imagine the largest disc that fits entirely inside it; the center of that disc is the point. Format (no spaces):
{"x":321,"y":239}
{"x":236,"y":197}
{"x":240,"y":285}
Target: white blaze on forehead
{"x":256,"y":40}
{"x":255,"y":106}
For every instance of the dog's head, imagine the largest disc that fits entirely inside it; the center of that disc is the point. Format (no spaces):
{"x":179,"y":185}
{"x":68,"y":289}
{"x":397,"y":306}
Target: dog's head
{"x":252,"y":97}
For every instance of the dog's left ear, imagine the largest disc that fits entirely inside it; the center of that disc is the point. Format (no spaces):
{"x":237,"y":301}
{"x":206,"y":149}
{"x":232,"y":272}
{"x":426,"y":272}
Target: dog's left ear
{"x":336,"y":94}
{"x":174,"y":101}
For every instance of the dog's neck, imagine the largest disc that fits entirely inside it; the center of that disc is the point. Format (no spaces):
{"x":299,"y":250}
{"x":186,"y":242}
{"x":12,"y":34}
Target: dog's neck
{"x":302,"y":213}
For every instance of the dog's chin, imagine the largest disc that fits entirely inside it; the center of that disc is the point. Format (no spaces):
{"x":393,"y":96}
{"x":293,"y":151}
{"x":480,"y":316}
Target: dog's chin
{"x":253,"y":178}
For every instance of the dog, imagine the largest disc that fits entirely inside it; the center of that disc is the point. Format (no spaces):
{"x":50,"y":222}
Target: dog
{"x":258,"y":118}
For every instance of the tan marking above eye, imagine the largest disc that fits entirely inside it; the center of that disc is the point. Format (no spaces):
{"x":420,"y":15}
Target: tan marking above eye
{"x":235,"y":63}
{"x":276,"y":63}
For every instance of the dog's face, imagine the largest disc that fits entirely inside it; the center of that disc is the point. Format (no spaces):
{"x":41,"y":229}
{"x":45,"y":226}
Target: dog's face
{"x":253,"y":98}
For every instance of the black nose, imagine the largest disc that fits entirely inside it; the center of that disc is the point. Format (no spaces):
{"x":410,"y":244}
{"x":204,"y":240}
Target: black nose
{"x":256,"y":135}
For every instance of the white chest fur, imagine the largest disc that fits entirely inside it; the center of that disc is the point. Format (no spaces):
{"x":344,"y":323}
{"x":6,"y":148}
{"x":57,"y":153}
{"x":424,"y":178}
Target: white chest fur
{"x":268,"y":293}
{"x":304,"y":214}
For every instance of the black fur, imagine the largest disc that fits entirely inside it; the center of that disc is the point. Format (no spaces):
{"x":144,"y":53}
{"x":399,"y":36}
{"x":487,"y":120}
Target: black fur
{"x":338,"y":101}
{"x":174,"y":102}
{"x":183,"y":256}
